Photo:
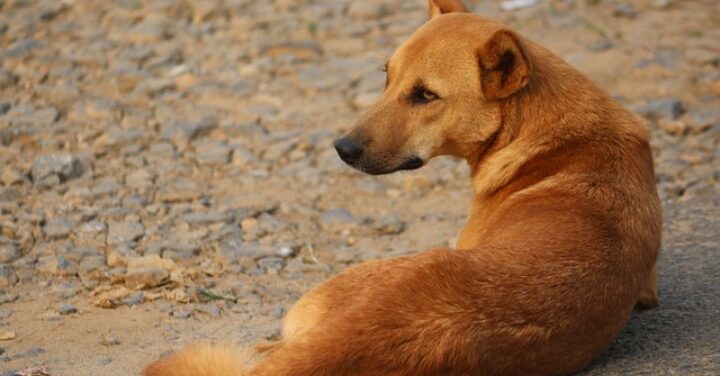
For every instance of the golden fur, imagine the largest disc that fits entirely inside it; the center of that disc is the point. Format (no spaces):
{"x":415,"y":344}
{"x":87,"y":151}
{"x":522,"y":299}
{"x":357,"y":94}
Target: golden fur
{"x":561,"y":240}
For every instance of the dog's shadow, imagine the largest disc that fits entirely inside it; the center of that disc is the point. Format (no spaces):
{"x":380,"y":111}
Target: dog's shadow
{"x":682,"y":334}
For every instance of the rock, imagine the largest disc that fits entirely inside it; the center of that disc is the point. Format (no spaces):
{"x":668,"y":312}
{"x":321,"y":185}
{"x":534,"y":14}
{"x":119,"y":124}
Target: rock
{"x":7,"y":79}
{"x":6,"y":335}
{"x":212,"y":152}
{"x":108,"y":340}
{"x":336,"y":216}
{"x":56,"y":265}
{"x":233,"y":249}
{"x":286,"y":251}
{"x":391,"y":225}
{"x":124,"y":232}
{"x":669,"y":109}
{"x":209,"y":309}
{"x":367,"y":10}
{"x":92,"y":268}
{"x":10,"y":194}
{"x":65,"y":166}
{"x":104,"y":360}
{"x":186,"y":130}
{"x":7,"y":275}
{"x":204,"y":219}
{"x":66,"y":309}
{"x":145,"y":277}
{"x":58,"y":227}
{"x":5,"y":314}
{"x":135,"y":298}
{"x":8,"y":298}
{"x":9,"y":253}
{"x":268,"y":263}
{"x":181,"y":314}
{"x":179,"y":191}
{"x":279,"y":150}
{"x":625,"y":10}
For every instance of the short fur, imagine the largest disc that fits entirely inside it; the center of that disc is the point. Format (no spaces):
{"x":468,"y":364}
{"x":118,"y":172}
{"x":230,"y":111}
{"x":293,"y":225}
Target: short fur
{"x":561,"y":240}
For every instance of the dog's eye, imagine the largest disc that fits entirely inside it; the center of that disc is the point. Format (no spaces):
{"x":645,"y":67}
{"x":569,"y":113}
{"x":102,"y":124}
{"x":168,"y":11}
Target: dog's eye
{"x":421,"y":95}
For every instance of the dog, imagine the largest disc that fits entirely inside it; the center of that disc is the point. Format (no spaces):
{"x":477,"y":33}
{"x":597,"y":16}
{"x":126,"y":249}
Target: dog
{"x":559,"y":247}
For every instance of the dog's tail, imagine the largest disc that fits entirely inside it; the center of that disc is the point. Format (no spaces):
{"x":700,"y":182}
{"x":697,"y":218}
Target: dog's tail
{"x":203,"y":360}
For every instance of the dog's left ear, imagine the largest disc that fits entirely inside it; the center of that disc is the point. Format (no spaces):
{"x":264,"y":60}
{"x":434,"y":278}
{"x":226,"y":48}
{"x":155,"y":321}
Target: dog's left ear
{"x":504,"y":66}
{"x":438,"y":7}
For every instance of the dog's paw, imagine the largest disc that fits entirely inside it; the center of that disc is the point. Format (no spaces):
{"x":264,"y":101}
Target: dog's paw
{"x":647,"y":300}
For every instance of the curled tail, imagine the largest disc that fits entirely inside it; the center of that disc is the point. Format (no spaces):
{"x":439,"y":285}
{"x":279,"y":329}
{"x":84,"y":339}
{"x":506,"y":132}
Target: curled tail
{"x":203,"y":360}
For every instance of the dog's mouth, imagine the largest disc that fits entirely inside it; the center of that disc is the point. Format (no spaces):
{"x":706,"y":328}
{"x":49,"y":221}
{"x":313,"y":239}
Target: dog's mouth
{"x":379,"y":169}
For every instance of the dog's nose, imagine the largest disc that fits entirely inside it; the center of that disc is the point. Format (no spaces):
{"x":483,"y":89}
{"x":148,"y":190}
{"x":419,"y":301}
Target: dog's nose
{"x":348,"y":150}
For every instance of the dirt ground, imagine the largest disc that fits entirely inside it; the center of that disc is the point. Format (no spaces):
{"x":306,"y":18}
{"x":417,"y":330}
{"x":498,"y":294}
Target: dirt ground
{"x":167,"y":171}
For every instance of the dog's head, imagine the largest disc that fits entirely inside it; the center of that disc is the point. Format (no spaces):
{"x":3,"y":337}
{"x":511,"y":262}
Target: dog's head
{"x":442,"y":94}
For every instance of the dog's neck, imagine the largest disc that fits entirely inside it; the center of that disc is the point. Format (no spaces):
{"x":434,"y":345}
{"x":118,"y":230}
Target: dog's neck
{"x":542,"y":117}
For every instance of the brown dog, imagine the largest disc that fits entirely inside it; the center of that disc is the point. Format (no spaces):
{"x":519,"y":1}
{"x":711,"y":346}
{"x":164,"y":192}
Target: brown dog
{"x":561,"y":241}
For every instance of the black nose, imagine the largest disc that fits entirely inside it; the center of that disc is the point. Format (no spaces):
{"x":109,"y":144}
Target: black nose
{"x":348,"y":150}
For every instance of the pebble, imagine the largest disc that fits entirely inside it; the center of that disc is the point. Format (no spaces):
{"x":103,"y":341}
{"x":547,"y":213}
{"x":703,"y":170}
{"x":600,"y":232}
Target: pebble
{"x":145,"y":277}
{"x":109,"y":341}
{"x":625,"y":10}
{"x":57,"y":265}
{"x":336,"y":216}
{"x":58,"y":227}
{"x":66,"y":309}
{"x":135,"y":298}
{"x":8,"y":298}
{"x":124,"y":232}
{"x":181,"y":314}
{"x":65,"y":166}
{"x":7,"y":275}
{"x":9,"y":253}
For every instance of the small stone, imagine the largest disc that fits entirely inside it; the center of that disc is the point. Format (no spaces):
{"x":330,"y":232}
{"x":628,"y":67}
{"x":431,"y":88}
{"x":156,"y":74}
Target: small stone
{"x":6,"y":335}
{"x":286,"y":251}
{"x":5,"y":314}
{"x":391,"y":225}
{"x":58,"y":227}
{"x":179,"y":314}
{"x":56,"y":265}
{"x":7,"y":275}
{"x":625,"y":10}
{"x":124,"y":232}
{"x":186,"y":130}
{"x":275,"y":263}
{"x":135,"y":298}
{"x":600,"y":45}
{"x":65,"y":166}
{"x":104,"y":360}
{"x":179,"y":191}
{"x":209,"y":309}
{"x":92,"y":267}
{"x":145,"y":277}
{"x":10,"y":194}
{"x":66,"y":309}
{"x":8,"y":298}
{"x":277,"y":312}
{"x":279,"y":150}
{"x":233,"y":249}
{"x":108,"y":340}
{"x":336,"y":216}
{"x":9,"y":253}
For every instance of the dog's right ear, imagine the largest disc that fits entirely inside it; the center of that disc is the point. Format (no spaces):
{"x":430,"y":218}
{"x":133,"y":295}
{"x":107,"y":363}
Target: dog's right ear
{"x":504,"y":65}
{"x":438,"y":7}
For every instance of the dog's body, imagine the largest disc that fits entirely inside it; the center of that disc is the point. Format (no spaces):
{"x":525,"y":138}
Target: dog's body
{"x":559,"y":247}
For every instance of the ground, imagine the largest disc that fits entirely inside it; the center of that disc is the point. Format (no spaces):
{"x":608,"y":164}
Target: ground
{"x":167,"y":171}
